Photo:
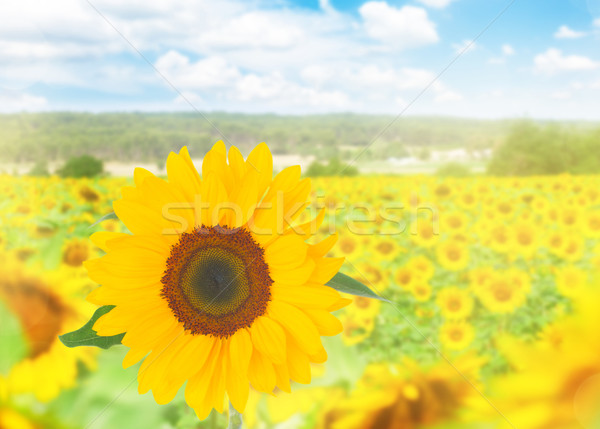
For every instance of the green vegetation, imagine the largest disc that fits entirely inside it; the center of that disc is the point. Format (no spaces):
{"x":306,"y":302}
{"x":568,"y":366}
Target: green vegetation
{"x":333,"y":168}
{"x":531,"y":149}
{"x":82,"y":166}
{"x":40,"y":169}
{"x":147,"y":137}
{"x":453,"y":169}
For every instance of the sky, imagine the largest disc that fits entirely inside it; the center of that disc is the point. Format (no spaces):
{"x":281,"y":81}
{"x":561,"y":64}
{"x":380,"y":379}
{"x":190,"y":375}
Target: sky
{"x":466,"y":58}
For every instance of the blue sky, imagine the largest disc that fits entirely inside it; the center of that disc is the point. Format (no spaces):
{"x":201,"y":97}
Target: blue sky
{"x":540,"y":59}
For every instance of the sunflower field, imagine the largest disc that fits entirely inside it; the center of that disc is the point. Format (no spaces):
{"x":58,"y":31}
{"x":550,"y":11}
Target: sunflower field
{"x":488,"y":314}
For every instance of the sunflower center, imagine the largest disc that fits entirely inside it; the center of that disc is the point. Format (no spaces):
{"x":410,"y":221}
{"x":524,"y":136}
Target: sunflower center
{"x":217,"y":281}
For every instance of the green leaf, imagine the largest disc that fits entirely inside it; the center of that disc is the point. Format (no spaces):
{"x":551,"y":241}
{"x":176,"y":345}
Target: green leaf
{"x":108,"y":216}
{"x":86,"y":336}
{"x":346,"y":284}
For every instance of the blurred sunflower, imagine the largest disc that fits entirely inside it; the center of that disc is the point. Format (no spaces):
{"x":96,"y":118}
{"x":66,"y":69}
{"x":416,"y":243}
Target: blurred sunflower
{"x":45,"y":304}
{"x":225,"y":295}
{"x":504,"y":291}
{"x":454,"y":303}
{"x":570,"y":280}
{"x":556,"y":383}
{"x":421,"y":290}
{"x":456,"y":335}
{"x":422,"y":266}
{"x":404,"y":396}
{"x":453,"y":255}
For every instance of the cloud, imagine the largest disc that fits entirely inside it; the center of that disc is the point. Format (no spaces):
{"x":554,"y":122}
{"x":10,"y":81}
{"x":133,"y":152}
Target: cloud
{"x":553,"y":61}
{"x":436,"y":4}
{"x":561,"y":95}
{"x":254,"y":30}
{"x":14,"y":101}
{"x":404,"y":28}
{"x":217,"y":77}
{"x":464,"y":47}
{"x":596,"y":22}
{"x":448,"y":96}
{"x":207,"y":73}
{"x":508,"y":50}
{"x":565,"y":32}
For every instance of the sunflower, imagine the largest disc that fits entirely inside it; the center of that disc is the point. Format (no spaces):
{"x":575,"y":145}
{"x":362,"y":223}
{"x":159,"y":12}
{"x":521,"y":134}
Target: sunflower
{"x":456,"y":335}
{"x":422,"y":266}
{"x":421,"y":290}
{"x":570,"y":280}
{"x":44,"y":307}
{"x":557,"y":383}
{"x":525,"y":240}
{"x":214,"y":284}
{"x":592,"y":224}
{"x":453,"y":255}
{"x":12,"y":419}
{"x":504,"y":291}
{"x":405,"y":395}
{"x":455,"y":303}
{"x":424,"y":233}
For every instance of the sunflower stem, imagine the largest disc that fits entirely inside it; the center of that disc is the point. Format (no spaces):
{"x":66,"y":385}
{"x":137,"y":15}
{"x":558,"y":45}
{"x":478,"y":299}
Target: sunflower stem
{"x":235,"y":418}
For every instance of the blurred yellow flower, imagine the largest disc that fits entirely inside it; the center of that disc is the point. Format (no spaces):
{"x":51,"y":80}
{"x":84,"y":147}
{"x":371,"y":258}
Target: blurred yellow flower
{"x":454,"y":303}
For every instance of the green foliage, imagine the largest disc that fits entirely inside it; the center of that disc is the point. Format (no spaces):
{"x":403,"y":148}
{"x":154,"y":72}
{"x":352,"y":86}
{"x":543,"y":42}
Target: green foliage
{"x":148,"y":137}
{"x":334,"y":168}
{"x":346,"y":284}
{"x":40,"y":169}
{"x":531,"y":149}
{"x":86,"y":336}
{"x":453,"y":169}
{"x":82,"y":166}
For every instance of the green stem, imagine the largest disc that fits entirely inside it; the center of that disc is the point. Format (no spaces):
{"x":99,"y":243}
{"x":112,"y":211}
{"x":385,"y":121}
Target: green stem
{"x":235,"y":418}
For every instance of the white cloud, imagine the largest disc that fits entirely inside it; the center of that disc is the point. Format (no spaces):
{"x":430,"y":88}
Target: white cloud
{"x":464,"y":47}
{"x":561,"y":95}
{"x":597,"y":22}
{"x":213,"y":72}
{"x":508,"y":50}
{"x":448,"y":96}
{"x":253,"y":30}
{"x":15,"y":101}
{"x":404,"y":28}
{"x":565,"y":32}
{"x":553,"y":61}
{"x":437,"y":4}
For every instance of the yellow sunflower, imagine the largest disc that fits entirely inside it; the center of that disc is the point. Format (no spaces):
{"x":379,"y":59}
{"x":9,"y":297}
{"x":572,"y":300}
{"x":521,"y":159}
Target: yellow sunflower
{"x":455,"y":303}
{"x":570,"y":280}
{"x":44,"y":305}
{"x":214,"y":284}
{"x":453,"y":255}
{"x":456,"y":335}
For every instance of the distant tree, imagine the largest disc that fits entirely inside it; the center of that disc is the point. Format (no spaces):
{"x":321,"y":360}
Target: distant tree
{"x":424,"y":154}
{"x":533,"y":150}
{"x":453,"y":169}
{"x":82,"y":166}
{"x":333,"y":168}
{"x":39,"y":169}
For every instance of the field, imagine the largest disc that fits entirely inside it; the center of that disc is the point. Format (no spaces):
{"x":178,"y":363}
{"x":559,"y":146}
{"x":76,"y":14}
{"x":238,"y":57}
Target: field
{"x":490,"y":322}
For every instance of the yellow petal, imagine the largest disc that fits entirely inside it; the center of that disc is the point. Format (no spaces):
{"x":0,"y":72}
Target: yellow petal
{"x":261,"y":159}
{"x":297,"y":324}
{"x":286,"y":252}
{"x":261,"y":373}
{"x":269,"y":338}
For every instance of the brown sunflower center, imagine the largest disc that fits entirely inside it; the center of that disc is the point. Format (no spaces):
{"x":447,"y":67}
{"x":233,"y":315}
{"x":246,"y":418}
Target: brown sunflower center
{"x":40,"y":312}
{"x":217,"y":281}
